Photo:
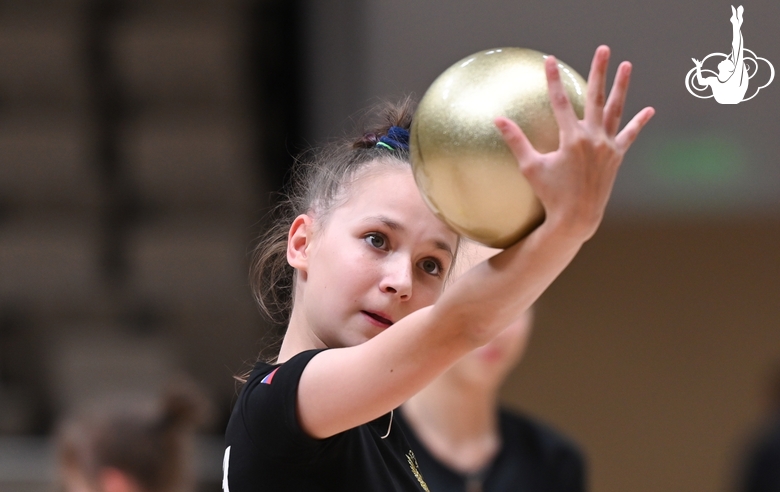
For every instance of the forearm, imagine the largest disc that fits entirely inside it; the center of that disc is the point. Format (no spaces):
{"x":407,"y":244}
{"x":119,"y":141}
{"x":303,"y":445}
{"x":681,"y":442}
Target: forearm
{"x":496,"y":292}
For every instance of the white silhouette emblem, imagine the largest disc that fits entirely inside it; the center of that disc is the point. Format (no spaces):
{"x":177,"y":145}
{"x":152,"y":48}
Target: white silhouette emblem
{"x":735,"y":70}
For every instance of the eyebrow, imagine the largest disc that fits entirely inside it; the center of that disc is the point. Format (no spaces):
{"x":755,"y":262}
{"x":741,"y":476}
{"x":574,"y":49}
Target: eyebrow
{"x":395,"y":226}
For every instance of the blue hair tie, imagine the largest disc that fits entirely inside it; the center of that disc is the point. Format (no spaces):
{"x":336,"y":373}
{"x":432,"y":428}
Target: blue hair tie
{"x":397,"y":138}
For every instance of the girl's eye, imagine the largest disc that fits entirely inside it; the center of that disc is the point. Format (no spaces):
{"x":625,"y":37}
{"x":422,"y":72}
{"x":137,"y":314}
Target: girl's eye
{"x":376,"y":240}
{"x":431,"y":267}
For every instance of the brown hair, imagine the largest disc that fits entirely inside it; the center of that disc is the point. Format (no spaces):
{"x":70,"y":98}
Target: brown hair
{"x":318,"y":183}
{"x":149,"y":443}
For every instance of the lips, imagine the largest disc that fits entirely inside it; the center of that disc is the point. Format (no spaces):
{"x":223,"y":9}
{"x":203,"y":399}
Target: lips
{"x":377,"y":318}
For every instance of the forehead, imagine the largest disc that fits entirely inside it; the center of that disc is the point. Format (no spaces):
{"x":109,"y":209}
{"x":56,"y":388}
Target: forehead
{"x":389,"y":191}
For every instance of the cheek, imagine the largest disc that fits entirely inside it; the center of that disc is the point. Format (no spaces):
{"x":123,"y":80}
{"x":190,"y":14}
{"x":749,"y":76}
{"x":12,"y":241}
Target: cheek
{"x":339,"y":258}
{"x":355,"y":268}
{"x":427,"y":291}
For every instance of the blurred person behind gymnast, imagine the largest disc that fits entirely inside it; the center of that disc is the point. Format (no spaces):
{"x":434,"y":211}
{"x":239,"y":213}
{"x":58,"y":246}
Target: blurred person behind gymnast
{"x":465,"y":442}
{"x":761,"y":472}
{"x":133,"y":445}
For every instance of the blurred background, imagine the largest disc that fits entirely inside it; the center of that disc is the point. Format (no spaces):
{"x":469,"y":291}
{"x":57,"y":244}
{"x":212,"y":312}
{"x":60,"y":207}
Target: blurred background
{"x":141,"y":143}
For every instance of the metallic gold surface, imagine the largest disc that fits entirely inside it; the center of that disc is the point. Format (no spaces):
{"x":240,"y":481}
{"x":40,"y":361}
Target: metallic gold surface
{"x":463,"y":168}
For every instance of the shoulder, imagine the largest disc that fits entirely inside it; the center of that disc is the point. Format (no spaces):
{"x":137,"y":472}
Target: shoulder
{"x":766,"y":444}
{"x":275,"y":383}
{"x":287,"y":372}
{"x":265,"y":411}
{"x":555,"y":459}
{"x":537,"y":437}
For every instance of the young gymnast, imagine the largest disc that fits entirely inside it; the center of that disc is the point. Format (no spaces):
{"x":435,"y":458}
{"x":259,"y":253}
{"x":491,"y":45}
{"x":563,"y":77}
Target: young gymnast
{"x":466,"y":442}
{"x":369,"y":326}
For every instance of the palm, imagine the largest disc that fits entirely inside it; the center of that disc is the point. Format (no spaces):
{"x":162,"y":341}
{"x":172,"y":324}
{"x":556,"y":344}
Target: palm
{"x":575,"y":181}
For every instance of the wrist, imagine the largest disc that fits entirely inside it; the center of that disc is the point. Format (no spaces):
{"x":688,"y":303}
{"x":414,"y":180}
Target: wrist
{"x":568,"y":231}
{"x":561,"y":234}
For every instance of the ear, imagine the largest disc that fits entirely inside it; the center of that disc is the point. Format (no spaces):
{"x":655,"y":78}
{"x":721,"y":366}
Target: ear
{"x":298,"y":241}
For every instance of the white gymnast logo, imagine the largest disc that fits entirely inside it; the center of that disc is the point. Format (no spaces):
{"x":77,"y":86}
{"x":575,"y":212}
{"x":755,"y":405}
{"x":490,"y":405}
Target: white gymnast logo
{"x":735,"y":70}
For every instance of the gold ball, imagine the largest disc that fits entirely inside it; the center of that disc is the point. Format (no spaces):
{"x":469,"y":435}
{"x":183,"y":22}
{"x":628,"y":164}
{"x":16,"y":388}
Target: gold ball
{"x":465,"y":171}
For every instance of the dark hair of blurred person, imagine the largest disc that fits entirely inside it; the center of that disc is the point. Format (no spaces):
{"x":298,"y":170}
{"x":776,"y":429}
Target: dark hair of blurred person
{"x":132,"y":446}
{"x":462,"y":438}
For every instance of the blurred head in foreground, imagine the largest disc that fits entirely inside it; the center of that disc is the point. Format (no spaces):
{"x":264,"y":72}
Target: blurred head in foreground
{"x":132,"y":446}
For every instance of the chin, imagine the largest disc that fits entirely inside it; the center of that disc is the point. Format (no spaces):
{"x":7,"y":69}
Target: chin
{"x":359,"y":338}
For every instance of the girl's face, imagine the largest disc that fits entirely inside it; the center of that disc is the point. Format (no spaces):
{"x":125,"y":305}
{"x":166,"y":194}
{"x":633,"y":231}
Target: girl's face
{"x":377,"y":257}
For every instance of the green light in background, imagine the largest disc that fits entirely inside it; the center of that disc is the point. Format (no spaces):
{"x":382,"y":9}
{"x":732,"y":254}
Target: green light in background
{"x":706,"y":159}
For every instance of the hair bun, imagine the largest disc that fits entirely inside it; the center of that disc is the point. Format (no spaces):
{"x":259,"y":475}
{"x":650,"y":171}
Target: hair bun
{"x":368,"y":140}
{"x":381,"y":120}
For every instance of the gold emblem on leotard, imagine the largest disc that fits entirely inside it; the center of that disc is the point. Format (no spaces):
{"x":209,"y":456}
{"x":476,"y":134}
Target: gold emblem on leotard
{"x":415,"y":469}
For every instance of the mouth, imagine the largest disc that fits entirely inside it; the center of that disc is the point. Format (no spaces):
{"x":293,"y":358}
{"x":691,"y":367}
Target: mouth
{"x":377,"y":319}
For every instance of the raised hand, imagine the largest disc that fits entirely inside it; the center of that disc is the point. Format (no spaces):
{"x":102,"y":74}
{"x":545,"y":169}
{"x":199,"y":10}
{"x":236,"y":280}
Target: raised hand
{"x":574,"y":182}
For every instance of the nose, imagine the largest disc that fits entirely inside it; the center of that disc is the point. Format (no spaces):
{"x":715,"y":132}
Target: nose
{"x":397,"y":278}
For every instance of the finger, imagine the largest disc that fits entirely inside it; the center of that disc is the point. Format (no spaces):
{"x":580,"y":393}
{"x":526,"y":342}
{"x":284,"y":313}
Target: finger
{"x":561,"y":106}
{"x":597,"y":81}
{"x":613,"y":111}
{"x":515,"y":138}
{"x":627,"y":136}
